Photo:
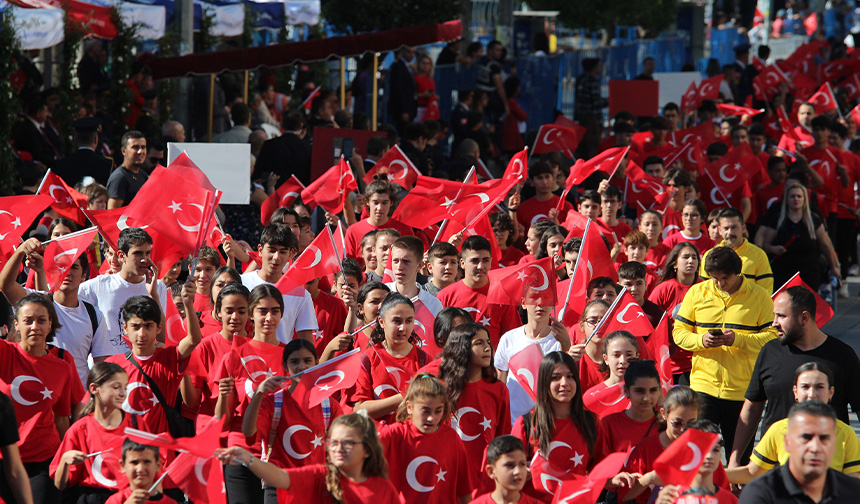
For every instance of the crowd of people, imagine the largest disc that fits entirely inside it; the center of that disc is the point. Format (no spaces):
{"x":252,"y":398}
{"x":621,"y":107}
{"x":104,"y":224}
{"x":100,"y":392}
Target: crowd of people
{"x":711,"y":226}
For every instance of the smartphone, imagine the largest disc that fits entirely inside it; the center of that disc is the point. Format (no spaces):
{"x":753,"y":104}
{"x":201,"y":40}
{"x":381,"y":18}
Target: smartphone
{"x":348,"y":146}
{"x":715,"y":332}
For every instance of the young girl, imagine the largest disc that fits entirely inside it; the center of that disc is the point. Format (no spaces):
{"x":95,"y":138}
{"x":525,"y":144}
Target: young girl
{"x":394,"y":359}
{"x":704,"y":482}
{"x":680,"y":273}
{"x":446,"y":321}
{"x":222,"y":277}
{"x":355,"y":470}
{"x":607,"y":397}
{"x":231,"y":311}
{"x":291,"y":435}
{"x":39,"y":384}
{"x":475,"y":394}
{"x":533,"y":236}
{"x":679,"y":409}
{"x":365,"y":309}
{"x":551,"y":242}
{"x":692,"y":216}
{"x":238,"y":376}
{"x":503,"y":228}
{"x":591,"y":362}
{"x":559,"y":429}
{"x":427,"y":458}
{"x":651,"y":223}
{"x":78,"y":475}
{"x":627,"y":428}
{"x":812,"y":380}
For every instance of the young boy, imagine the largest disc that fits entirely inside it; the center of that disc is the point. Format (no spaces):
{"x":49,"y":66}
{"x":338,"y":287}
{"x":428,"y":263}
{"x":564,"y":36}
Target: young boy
{"x":368,"y":252}
{"x":330,"y":314}
{"x":442,"y":262}
{"x":140,"y":464}
{"x":381,"y":197}
{"x":407,"y":253}
{"x":633,"y":275}
{"x":603,"y":288}
{"x":278,"y":245}
{"x":610,"y":203}
{"x":508,"y":467}
{"x":154,"y":371}
{"x":542,"y":205}
{"x":208,"y":261}
{"x":384,"y":239}
{"x":589,"y":204}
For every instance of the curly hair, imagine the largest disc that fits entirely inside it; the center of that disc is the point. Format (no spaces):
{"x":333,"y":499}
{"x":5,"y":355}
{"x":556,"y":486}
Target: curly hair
{"x":455,"y":361}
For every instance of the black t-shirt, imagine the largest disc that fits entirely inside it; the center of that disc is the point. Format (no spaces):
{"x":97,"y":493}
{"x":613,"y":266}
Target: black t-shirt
{"x":779,"y":487}
{"x":124,"y":185}
{"x":773,"y":377}
{"x":803,"y":244}
{"x":8,"y":423}
{"x":487,"y":69}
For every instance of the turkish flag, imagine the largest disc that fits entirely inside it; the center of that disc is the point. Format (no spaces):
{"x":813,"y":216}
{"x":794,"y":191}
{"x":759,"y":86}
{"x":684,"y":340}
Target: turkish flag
{"x":833,"y":70}
{"x":576,"y":223}
{"x":16,"y":215}
{"x":758,"y":63}
{"x":690,"y":99}
{"x":603,"y":400}
{"x":200,"y":478}
{"x":177,"y":208}
{"x":249,"y":363}
{"x":734,"y":110}
{"x":185,"y":168}
{"x":593,"y":261}
{"x":518,"y":166}
{"x":66,"y":201}
{"x":587,"y":490}
{"x":823,"y":310}
{"x":481,"y":226}
{"x":823,"y":99}
{"x":728,"y":172}
{"x":606,"y":162}
{"x":532,"y":283}
{"x":319,"y":259}
{"x":625,"y":314}
{"x":421,"y":212}
{"x":561,"y":120}
{"x":203,"y":444}
{"x":423,"y":328}
{"x":556,"y":138}
{"x":680,"y":462}
{"x":658,"y":344}
{"x":645,"y":190}
{"x":388,"y":272}
{"x":309,"y":100}
{"x":323,"y":380}
{"x":398,"y":166}
{"x":709,"y":89}
{"x":62,"y":252}
{"x":175,"y":328}
{"x":855,"y":116}
{"x":852,"y":85}
{"x":524,"y":365}
{"x":216,"y":234}
{"x":785,"y":124}
{"x":284,"y":196}
{"x":332,"y":188}
{"x":769,"y":80}
{"x":811,"y":24}
{"x":703,"y":132}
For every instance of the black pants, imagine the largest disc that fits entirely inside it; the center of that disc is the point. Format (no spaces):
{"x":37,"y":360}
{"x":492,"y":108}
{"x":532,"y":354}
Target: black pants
{"x":846,"y":244}
{"x":41,"y":484}
{"x":243,"y":487}
{"x":724,"y":413}
{"x":85,"y":495}
{"x":270,"y":495}
{"x":682,"y":378}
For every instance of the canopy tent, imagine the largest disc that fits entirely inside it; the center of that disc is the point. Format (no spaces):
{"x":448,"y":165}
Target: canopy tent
{"x":307,"y":51}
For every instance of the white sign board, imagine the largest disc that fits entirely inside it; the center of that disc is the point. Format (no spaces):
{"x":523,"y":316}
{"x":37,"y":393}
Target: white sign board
{"x":227,"y":165}
{"x":673,"y":85}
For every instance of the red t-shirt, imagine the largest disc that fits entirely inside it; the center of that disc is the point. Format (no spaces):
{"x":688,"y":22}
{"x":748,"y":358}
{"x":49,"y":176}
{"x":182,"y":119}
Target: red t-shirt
{"x":356,"y":232}
{"x":331,"y":315}
{"x":511,"y":256}
{"x":526,"y":258}
{"x":824,"y":162}
{"x":590,"y":373}
{"x":497,"y":319}
{"x":847,"y":194}
{"x":672,"y":222}
{"x":621,"y":229}
{"x":201,"y":369}
{"x":767,"y":196}
{"x":483,"y":413}
{"x":299,"y":435}
{"x":620,"y":432}
{"x":532,"y":210}
{"x":89,"y":436}
{"x":387,"y":375}
{"x":165,"y":367}
{"x":426,"y":468}
{"x":703,"y":243}
{"x":656,"y":256}
{"x":122,"y":496}
{"x":487,"y":498}
{"x":432,"y":367}
{"x":791,"y":145}
{"x":76,"y":389}
{"x":307,"y":484}
{"x":39,"y":388}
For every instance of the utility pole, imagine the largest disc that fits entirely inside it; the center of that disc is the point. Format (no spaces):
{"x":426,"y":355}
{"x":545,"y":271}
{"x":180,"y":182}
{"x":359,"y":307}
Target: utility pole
{"x":185,"y":18}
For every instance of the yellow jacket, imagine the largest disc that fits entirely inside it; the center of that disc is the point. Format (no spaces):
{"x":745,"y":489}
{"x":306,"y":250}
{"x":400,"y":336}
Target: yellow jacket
{"x":724,"y":372}
{"x":756,"y":265}
{"x":770,"y":451}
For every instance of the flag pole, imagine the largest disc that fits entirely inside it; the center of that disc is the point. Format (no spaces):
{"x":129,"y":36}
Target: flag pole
{"x":457,"y":197}
{"x":42,"y":183}
{"x":71,"y":235}
{"x":575,"y":267}
{"x":326,"y":363}
{"x":157,"y":482}
{"x":603,"y":320}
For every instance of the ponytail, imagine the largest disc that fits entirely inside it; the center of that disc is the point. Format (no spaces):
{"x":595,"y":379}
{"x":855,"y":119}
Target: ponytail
{"x":98,"y":376}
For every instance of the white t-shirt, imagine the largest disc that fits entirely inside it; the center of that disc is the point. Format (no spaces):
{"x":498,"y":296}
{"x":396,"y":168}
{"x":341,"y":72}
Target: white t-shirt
{"x":76,"y":335}
{"x":299,"y":314}
{"x":511,"y":343}
{"x":108,"y":293}
{"x":429,"y":300}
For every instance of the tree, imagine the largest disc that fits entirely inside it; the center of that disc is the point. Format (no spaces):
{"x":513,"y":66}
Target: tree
{"x":356,"y":16}
{"x":652,"y":15}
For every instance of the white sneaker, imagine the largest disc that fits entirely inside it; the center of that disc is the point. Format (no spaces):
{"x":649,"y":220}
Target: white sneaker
{"x":854,"y":270}
{"x":843,"y":291}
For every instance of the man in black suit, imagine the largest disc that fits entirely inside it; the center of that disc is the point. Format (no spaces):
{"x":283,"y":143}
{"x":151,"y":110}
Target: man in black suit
{"x":288,"y":154}
{"x":403,"y":101}
{"x":30,"y":135}
{"x":85,"y":160}
{"x":460,"y":115}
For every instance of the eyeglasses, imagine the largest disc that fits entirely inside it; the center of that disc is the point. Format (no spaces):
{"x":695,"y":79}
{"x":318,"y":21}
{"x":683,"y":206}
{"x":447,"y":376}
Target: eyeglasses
{"x":346,"y":445}
{"x":592,"y":321}
{"x":690,"y":215}
{"x":677,"y":424}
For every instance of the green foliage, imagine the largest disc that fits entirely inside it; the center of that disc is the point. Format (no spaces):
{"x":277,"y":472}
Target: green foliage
{"x":69,"y":90}
{"x":356,"y":16}
{"x":247,"y":36}
{"x":8,"y":47}
{"x":167,"y":46}
{"x":652,"y":15}
{"x":122,"y":58}
{"x":204,"y":41}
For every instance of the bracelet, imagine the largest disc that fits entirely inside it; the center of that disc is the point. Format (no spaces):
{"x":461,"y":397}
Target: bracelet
{"x":249,"y":463}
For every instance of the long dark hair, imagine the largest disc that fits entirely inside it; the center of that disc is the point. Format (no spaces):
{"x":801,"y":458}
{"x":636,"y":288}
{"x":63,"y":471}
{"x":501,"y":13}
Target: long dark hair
{"x":444,"y":323}
{"x":391,"y":300}
{"x":669,"y":270}
{"x":544,"y":419}
{"x":455,"y":361}
{"x":544,"y":239}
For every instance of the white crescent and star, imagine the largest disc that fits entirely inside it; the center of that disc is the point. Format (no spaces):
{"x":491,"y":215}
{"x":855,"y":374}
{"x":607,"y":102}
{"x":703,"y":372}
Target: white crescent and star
{"x":15,"y":390}
{"x":256,"y":374}
{"x":317,"y":256}
{"x":126,"y":406}
{"x":288,"y":447}
{"x":381,"y":388}
{"x":723,"y":172}
{"x":292,"y":194}
{"x":412,"y":468}
{"x":545,"y":283}
{"x":623,"y":312}
{"x":546,"y":136}
{"x":99,"y":476}
{"x":696,"y":461}
{"x":455,"y":423}
{"x":177,"y":207}
{"x":340,"y":374}
{"x":528,"y":376}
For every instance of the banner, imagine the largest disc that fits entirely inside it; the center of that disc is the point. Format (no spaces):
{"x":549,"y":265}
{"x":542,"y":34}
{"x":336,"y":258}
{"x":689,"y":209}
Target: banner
{"x":151,"y":19}
{"x":38,"y":28}
{"x":302,"y":11}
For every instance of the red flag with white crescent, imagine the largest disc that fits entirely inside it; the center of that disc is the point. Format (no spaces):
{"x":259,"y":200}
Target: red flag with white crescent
{"x":62,"y":252}
{"x":823,"y":310}
{"x":680,"y":462}
{"x":533,"y":283}
{"x":524,"y":365}
{"x":66,"y":201}
{"x":556,"y":138}
{"x":284,"y":196}
{"x":323,"y":380}
{"x":659,"y":346}
{"x":398,"y":166}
